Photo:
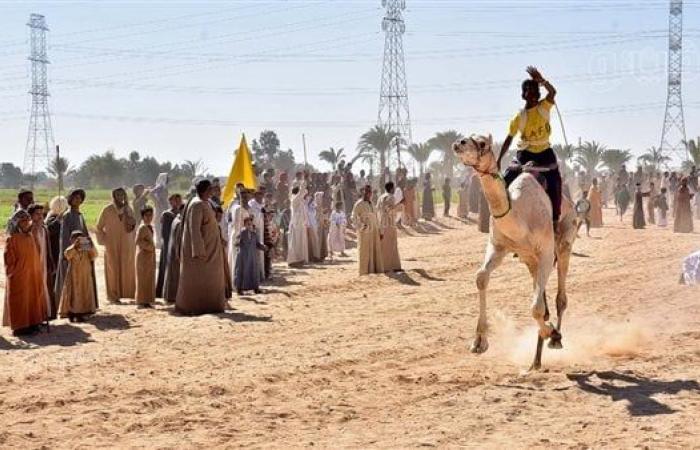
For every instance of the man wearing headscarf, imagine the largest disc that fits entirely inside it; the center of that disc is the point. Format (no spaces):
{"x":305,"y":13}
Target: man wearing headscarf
{"x":255,"y":207}
{"x":683,"y":217}
{"x":72,"y":220}
{"x":115,"y":231}
{"x":25,"y":305}
{"x":297,"y":239}
{"x":386,"y":215}
{"x":202,"y":284}
{"x":57,"y":206}
{"x":239,"y":211}
{"x":159,"y":193}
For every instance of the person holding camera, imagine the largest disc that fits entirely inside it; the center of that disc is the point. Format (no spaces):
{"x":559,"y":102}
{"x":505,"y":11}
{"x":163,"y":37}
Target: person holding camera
{"x":78,"y":299}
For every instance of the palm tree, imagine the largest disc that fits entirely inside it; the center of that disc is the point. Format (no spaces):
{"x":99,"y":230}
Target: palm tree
{"x":589,"y":156}
{"x":421,"y":154}
{"x":332,"y":156}
{"x":378,"y":140}
{"x":614,"y":159}
{"x":654,"y":158}
{"x":58,"y":168}
{"x":564,"y":152}
{"x":442,"y":142}
{"x":693,"y":147}
{"x":192,"y":169}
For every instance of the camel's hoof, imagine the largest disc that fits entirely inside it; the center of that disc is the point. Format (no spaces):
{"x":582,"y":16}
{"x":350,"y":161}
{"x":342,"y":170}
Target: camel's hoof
{"x":555,"y":339}
{"x":555,"y":344}
{"x":480,"y":345}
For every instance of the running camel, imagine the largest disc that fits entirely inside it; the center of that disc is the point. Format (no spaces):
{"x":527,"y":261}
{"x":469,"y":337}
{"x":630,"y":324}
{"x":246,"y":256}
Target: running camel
{"x":521,"y":224}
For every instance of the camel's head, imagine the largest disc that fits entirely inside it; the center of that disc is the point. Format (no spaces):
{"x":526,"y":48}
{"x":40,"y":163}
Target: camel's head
{"x":476,"y":151}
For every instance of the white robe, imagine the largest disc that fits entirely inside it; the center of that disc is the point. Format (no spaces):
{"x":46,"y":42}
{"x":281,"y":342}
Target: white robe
{"x":336,"y":234}
{"x":398,"y":197}
{"x":298,"y":248}
{"x":256,"y":213}
{"x":238,"y":214}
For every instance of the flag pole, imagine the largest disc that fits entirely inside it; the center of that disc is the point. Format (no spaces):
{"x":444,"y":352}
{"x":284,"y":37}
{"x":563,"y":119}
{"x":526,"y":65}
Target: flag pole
{"x":303,"y":140}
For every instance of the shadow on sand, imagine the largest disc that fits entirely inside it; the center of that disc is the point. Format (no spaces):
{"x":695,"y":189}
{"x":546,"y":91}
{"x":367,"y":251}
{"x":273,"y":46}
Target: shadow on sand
{"x":243,"y":317}
{"x":423,"y":273}
{"x":638,"y":391}
{"x":63,"y":335}
{"x":403,"y":278}
{"x":105,"y":322}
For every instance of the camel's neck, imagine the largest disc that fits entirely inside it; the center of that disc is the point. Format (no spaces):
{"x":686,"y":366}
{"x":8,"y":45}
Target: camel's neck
{"x":496,"y":194}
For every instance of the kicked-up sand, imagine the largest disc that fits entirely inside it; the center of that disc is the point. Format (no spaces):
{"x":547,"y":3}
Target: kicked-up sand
{"x":327,"y":359}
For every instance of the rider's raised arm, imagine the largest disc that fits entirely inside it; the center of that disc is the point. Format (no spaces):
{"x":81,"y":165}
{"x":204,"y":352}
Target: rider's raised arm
{"x":537,"y":76}
{"x":551,"y":92}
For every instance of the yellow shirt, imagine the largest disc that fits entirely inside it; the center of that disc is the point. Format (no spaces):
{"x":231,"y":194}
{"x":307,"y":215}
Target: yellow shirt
{"x":534,"y":136}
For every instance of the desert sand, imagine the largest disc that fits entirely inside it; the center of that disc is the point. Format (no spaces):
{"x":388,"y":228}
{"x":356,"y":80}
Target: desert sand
{"x":327,"y":359}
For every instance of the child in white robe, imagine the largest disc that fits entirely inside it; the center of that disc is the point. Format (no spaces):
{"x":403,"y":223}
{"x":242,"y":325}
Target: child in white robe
{"x":336,"y":234}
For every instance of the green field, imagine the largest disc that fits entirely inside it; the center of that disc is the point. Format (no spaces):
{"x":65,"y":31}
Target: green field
{"x":95,"y":201}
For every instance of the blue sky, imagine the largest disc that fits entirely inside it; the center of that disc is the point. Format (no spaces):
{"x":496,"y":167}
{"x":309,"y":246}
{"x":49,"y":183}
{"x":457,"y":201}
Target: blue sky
{"x":181,"y":80}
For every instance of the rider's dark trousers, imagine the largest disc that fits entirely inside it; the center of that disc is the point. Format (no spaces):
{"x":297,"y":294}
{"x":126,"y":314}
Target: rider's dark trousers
{"x":553,"y":177}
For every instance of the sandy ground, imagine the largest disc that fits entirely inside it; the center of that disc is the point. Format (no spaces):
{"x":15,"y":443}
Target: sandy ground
{"x":327,"y":359}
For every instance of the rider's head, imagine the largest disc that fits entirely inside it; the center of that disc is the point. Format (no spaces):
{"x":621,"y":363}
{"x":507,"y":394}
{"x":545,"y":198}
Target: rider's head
{"x":531,"y":91}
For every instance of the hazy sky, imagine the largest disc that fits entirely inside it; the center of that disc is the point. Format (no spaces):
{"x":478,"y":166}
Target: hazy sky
{"x":181,"y":80}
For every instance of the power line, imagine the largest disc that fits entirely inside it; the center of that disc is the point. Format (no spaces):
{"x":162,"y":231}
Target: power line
{"x":146,"y":120}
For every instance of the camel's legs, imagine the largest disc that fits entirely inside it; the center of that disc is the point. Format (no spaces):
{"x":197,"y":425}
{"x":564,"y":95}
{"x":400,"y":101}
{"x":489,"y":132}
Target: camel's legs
{"x":538,"y":308}
{"x":494,"y":257}
{"x":563,"y":256}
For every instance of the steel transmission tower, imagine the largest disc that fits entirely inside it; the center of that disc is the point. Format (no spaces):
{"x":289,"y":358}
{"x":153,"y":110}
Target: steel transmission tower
{"x":393,"y":98}
{"x":673,"y":133}
{"x":37,"y":153}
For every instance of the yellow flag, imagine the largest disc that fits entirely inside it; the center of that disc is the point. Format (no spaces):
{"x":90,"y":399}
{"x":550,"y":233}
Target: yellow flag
{"x":241,"y":172}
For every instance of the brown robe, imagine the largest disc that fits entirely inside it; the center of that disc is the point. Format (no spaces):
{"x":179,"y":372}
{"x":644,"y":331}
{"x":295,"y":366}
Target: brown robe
{"x":145,"y":265}
{"x":41,"y":236}
{"x":484,"y":212}
{"x":683,"y":216}
{"x":596,"y":212}
{"x":116,"y":234}
{"x":386,"y":212}
{"x":651,"y":206}
{"x":463,"y":205}
{"x":202,"y":285}
{"x":25,"y":304}
{"x":409,"y":206}
{"x":78,"y":294}
{"x":369,"y":245}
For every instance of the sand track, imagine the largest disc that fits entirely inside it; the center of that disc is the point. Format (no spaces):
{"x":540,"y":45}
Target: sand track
{"x":330,"y":360}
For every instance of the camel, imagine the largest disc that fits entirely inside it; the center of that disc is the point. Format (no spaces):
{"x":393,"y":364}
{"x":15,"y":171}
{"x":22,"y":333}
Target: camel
{"x":521,"y":223}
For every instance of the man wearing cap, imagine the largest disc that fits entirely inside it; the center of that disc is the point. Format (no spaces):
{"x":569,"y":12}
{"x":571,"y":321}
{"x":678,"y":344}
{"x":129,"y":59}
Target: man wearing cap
{"x":202,"y":284}
{"x":115,"y":231}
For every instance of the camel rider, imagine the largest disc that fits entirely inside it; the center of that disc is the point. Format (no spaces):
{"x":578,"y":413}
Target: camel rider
{"x":532,"y":123}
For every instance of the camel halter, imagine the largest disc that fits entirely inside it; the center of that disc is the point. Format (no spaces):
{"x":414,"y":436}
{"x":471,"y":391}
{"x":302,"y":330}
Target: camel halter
{"x":481,"y":152}
{"x":496,"y":175}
